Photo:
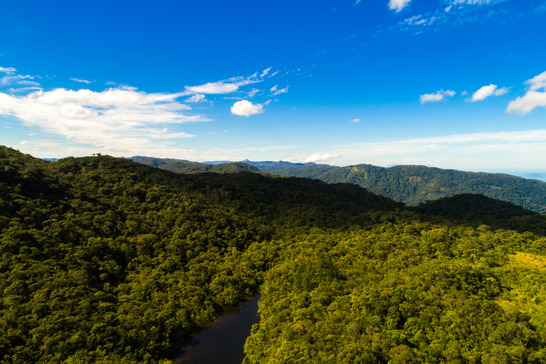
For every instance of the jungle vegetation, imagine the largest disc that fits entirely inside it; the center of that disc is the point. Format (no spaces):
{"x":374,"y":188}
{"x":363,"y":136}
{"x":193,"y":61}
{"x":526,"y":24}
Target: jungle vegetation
{"x":410,"y":184}
{"x":107,"y":260}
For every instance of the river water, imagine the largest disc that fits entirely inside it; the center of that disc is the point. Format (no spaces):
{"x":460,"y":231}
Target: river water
{"x":222,"y":341}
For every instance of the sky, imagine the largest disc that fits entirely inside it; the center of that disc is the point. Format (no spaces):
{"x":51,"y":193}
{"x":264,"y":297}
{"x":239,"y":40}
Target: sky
{"x":457,"y":84}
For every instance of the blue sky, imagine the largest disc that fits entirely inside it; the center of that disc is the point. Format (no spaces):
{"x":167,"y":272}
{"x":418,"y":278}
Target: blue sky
{"x":448,"y":83}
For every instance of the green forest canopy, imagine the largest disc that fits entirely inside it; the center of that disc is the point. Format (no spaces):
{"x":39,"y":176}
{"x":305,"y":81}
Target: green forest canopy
{"x":107,"y":260}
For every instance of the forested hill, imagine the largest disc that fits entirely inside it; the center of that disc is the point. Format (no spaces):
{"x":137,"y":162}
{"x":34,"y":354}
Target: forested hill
{"x":409,"y":184}
{"x":416,"y":184}
{"x":413,"y":184}
{"x":187,"y":167}
{"x":105,"y":260}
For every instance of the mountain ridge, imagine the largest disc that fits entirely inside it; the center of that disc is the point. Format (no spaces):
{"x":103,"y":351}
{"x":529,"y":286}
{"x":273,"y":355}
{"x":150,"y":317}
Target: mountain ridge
{"x":410,"y":184}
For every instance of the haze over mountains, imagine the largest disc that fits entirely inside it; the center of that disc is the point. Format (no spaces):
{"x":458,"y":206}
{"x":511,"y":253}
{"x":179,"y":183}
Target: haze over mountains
{"x":408,"y":184}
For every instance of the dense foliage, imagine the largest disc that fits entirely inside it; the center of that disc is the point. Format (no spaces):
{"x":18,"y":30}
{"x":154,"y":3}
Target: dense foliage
{"x":107,"y":260}
{"x":404,"y":292}
{"x":417,"y":184}
{"x":411,"y":185}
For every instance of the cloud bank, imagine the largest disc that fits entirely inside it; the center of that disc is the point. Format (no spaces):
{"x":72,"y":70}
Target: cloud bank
{"x":123,"y":117}
{"x":478,"y":151}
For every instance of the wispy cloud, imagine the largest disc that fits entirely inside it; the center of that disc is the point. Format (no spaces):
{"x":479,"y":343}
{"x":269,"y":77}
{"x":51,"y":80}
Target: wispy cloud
{"x":253,"y":92}
{"x":8,"y":70}
{"x":227,"y":86}
{"x":80,"y":80}
{"x":357,"y":120}
{"x":457,"y":13}
{"x":276,"y":91}
{"x":15,"y":79}
{"x":419,"y":20}
{"x":123,"y":116}
{"x":220,"y":87}
{"x":196,"y":98}
{"x":265,"y":72}
{"x":475,"y":2}
{"x":535,"y":96}
{"x":436,"y":96}
{"x":246,"y":108}
{"x":487,"y":91}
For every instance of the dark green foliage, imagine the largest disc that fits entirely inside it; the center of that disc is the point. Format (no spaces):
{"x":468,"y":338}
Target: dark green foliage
{"x":104,"y":259}
{"x":476,"y":210}
{"x":417,"y":184}
{"x":187,"y":167}
{"x":409,"y":184}
{"x":107,"y":260}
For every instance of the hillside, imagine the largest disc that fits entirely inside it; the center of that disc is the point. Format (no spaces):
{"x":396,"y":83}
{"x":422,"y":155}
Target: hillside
{"x":187,"y":167}
{"x":411,"y":185}
{"x":417,"y":184}
{"x":107,"y":260}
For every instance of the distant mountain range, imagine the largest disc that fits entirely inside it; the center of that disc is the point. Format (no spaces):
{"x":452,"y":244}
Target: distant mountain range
{"x":410,"y":184}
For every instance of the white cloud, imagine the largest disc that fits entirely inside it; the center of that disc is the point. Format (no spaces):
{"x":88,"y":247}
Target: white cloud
{"x":486,"y":91}
{"x":320,"y":157}
{"x":275,"y":91}
{"x":13,"y":79}
{"x":538,"y":82}
{"x":219,"y":87}
{"x":8,"y":70}
{"x":436,"y":96}
{"x":525,"y":104}
{"x":419,"y":20}
{"x":122,"y":118}
{"x":535,"y":96}
{"x":457,"y":13}
{"x":253,"y":92}
{"x":357,"y":120}
{"x":501,"y":91}
{"x":25,"y":90}
{"x":474,"y":2}
{"x":265,"y":72}
{"x":80,"y":80}
{"x":246,"y":108}
{"x":398,"y":5}
{"x":225,"y":86}
{"x":196,"y":98}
